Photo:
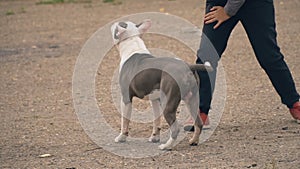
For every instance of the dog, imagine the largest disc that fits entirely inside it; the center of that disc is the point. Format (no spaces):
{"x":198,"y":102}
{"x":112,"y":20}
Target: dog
{"x":142,"y":74}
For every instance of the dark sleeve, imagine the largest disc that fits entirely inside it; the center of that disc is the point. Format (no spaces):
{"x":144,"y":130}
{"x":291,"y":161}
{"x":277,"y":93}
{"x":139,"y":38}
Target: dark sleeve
{"x":232,"y":6}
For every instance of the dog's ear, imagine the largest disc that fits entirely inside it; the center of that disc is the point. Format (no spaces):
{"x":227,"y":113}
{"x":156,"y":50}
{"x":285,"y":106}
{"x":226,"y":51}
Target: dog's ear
{"x":144,"y":26}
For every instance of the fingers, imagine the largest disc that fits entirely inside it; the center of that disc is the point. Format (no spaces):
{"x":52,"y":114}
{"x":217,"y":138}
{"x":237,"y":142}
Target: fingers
{"x":210,"y":18}
{"x":214,"y":8}
{"x":216,"y":14}
{"x":212,"y":12}
{"x":209,"y":14}
{"x":218,"y":24}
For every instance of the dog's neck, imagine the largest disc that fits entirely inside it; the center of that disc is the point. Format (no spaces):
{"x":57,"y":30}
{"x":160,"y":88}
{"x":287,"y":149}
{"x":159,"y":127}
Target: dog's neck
{"x":130,"y":46}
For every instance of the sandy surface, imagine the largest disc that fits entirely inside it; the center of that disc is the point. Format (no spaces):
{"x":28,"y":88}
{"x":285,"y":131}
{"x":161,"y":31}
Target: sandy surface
{"x":39,"y":45}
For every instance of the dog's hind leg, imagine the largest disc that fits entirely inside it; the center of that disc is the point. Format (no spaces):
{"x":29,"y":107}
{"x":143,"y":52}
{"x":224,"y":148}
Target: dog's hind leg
{"x":126,"y":110}
{"x":155,"y":136}
{"x":173,"y":136}
{"x":170,"y":116}
{"x":193,"y":109}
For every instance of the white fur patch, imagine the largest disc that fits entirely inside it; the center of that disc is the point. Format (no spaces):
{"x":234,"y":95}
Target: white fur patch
{"x":121,"y":138}
{"x":131,"y":46}
{"x":168,"y":145}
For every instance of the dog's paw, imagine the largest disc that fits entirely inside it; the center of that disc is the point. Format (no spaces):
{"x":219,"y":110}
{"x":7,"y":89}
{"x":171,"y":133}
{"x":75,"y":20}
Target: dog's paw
{"x":168,"y":145}
{"x":194,"y":142}
{"x":154,"y":139}
{"x":165,"y":147}
{"x":121,"y":138}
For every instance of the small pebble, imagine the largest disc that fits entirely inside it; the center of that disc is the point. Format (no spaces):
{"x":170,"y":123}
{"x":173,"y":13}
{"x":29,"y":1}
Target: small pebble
{"x":45,"y":155}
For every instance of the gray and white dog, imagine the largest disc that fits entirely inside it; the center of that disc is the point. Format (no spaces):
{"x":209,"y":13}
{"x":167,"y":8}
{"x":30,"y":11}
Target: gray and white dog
{"x":142,"y":74}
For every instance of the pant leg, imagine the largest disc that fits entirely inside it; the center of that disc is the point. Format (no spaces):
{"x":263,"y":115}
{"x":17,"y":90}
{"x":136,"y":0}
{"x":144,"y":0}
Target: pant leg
{"x":258,"y":20}
{"x":212,"y":44}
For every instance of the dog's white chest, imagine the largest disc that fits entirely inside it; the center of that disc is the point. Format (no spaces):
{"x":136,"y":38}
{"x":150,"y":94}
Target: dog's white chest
{"x":129,"y":47}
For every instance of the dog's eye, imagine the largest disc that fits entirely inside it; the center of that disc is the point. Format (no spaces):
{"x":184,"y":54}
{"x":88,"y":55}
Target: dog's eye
{"x":123,"y":24}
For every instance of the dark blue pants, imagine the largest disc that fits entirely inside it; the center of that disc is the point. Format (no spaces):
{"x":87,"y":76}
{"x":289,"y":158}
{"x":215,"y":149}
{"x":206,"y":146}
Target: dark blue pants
{"x":258,"y":20}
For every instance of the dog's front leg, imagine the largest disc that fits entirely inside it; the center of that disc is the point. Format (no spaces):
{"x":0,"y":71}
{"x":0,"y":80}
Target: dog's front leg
{"x":155,"y":136}
{"x":126,"y":110}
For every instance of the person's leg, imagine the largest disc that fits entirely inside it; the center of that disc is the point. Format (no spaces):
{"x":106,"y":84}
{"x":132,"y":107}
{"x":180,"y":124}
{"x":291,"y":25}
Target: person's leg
{"x":212,"y":45}
{"x":258,"y":20}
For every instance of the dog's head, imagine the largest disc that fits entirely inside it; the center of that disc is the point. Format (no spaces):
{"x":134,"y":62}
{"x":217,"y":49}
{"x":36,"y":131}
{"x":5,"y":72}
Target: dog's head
{"x":123,"y":30}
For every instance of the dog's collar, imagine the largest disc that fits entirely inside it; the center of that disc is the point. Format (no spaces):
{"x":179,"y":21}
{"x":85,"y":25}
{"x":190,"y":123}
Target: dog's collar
{"x":123,"y":39}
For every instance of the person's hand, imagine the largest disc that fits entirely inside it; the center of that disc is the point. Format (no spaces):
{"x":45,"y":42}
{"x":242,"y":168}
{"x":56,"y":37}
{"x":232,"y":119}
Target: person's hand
{"x":216,"y":14}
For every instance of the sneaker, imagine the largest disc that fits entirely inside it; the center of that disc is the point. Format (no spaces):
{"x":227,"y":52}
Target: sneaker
{"x":295,"y":111}
{"x":189,"y":125}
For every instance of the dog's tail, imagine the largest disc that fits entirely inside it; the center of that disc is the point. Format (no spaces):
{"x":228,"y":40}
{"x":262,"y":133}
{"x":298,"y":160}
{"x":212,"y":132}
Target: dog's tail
{"x":202,"y":67}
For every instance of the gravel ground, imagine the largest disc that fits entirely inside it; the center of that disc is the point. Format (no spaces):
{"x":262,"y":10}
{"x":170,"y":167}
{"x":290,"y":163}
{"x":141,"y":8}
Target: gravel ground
{"x":39,"y":45}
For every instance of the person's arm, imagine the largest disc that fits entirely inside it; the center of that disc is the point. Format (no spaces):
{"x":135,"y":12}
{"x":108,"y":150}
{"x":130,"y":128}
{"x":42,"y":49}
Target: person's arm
{"x":220,"y":14}
{"x":232,"y":6}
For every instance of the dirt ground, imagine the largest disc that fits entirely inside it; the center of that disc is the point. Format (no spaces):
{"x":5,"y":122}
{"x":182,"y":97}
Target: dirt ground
{"x":39,"y":45}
